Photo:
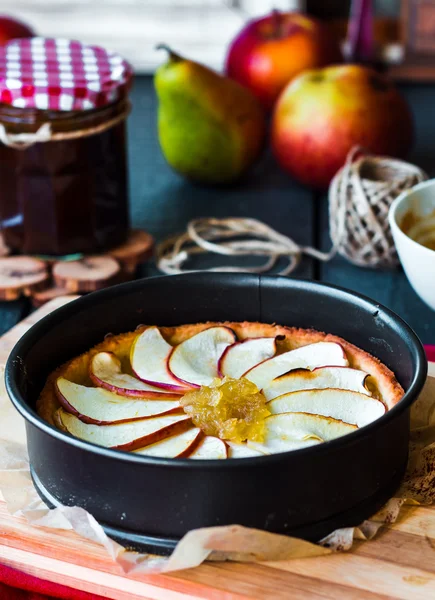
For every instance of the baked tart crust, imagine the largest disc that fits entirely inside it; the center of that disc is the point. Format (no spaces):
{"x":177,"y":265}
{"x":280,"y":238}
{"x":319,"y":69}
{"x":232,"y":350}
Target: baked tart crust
{"x":382,"y":382}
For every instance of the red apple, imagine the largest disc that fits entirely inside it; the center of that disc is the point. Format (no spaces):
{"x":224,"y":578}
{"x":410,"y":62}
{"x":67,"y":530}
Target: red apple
{"x":322,"y":114}
{"x":269,"y":52}
{"x":11,"y":28}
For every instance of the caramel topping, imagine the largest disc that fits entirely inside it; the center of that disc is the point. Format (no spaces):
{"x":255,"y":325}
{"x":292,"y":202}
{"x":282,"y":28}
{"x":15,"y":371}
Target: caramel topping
{"x":231,"y":409}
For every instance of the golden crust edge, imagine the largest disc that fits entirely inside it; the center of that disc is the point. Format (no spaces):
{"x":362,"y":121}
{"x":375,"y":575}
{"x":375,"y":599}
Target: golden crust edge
{"x":77,"y":368}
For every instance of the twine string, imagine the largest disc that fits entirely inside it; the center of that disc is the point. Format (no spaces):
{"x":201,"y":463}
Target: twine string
{"x":360,"y":196}
{"x":207,"y":235}
{"x":358,"y":210}
{"x":22,"y":141}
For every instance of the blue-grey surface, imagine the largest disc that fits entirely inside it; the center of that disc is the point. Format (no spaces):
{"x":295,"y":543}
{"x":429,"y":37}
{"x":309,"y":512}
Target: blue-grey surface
{"x":162,"y":202}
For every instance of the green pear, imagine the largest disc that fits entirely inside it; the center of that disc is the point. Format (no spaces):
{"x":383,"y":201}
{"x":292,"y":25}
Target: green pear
{"x":211,"y":129}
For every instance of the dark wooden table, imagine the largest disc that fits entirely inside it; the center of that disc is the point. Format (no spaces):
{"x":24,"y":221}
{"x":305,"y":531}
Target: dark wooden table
{"x":162,"y":202}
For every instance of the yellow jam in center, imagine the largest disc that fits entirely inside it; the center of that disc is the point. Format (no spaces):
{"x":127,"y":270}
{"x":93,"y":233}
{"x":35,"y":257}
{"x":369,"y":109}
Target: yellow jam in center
{"x":231,"y":409}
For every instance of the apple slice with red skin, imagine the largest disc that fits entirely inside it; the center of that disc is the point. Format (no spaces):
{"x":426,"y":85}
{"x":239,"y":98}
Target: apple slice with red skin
{"x":344,"y":405}
{"x":342,"y":378}
{"x":101,"y":407}
{"x":292,"y":431}
{"x":149,"y":356}
{"x":242,"y":356}
{"x":210,"y":448}
{"x":105,"y":372}
{"x":123,"y":436}
{"x":195,"y":361}
{"x":310,"y":357}
{"x":176,"y":446}
{"x":241,"y":451}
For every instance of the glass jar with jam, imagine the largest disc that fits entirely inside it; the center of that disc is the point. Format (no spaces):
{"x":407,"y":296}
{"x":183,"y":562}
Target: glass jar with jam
{"x":63,"y":171}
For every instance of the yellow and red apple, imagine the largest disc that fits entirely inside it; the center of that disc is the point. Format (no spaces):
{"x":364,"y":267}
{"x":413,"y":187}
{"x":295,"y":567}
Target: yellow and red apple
{"x":269,"y":52}
{"x":12,"y":28}
{"x":323,"y":113}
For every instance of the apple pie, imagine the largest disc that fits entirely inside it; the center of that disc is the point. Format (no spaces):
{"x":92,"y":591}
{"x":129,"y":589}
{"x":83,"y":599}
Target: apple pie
{"x":217,"y":390}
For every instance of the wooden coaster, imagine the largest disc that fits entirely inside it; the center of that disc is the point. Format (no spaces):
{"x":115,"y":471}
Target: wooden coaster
{"x":40,"y":297}
{"x":21,"y":275}
{"x":87,"y":274}
{"x":138,"y":248}
{"x":46,"y":278}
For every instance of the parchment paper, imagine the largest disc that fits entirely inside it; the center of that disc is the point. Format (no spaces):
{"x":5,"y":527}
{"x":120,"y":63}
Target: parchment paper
{"x":232,"y":542}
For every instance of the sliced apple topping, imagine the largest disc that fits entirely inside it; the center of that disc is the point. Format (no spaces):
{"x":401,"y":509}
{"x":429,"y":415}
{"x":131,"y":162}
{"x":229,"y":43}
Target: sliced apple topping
{"x":242,"y":356}
{"x":306,"y":357}
{"x":195,"y":361}
{"x":274,"y":444}
{"x":343,"y":378}
{"x":99,"y":406}
{"x":241,"y":451}
{"x":215,"y":397}
{"x":176,"y":446}
{"x":123,"y":436}
{"x":105,"y":371}
{"x":149,"y":357}
{"x":210,"y":448}
{"x":291,"y":431}
{"x":350,"y":407}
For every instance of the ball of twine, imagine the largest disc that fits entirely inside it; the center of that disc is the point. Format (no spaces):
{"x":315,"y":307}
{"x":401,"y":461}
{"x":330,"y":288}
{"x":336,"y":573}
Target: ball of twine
{"x":360,"y":196}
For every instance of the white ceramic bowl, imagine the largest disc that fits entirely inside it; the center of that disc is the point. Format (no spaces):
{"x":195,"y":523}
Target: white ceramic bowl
{"x":418,"y":261}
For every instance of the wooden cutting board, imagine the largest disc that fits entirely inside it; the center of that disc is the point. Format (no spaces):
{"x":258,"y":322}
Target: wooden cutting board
{"x":399,"y":563}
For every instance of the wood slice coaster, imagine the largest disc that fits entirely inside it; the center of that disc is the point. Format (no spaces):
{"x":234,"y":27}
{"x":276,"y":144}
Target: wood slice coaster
{"x":87,"y":274}
{"x":138,"y":248}
{"x":21,"y":275}
{"x":46,"y":278}
{"x":40,"y":297}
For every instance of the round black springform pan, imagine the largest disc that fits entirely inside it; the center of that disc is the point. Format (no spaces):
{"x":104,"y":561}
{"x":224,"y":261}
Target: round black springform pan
{"x":149,"y":503}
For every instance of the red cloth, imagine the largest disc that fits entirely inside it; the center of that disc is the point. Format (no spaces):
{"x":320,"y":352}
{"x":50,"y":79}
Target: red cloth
{"x":19,"y":586}
{"x":15,"y":585}
{"x":430,"y":353}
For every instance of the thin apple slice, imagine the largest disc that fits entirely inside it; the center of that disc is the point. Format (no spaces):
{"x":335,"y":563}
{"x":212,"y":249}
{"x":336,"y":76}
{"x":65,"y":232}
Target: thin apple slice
{"x":176,"y":446}
{"x":195,"y":361}
{"x":101,"y":407}
{"x":306,"y":357}
{"x":291,"y":431}
{"x":350,"y":407}
{"x":342,"y":378}
{"x":124,"y":436}
{"x":105,"y":371}
{"x":242,"y":356}
{"x":241,"y":451}
{"x":274,"y":446}
{"x":149,"y":360}
{"x":210,"y":448}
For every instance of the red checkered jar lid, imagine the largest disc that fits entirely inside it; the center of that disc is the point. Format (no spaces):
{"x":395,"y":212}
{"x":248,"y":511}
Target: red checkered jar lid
{"x":63,"y":75}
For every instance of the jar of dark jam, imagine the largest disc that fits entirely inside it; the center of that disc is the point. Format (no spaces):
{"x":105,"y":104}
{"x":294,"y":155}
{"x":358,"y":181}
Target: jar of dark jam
{"x":63,"y":172}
